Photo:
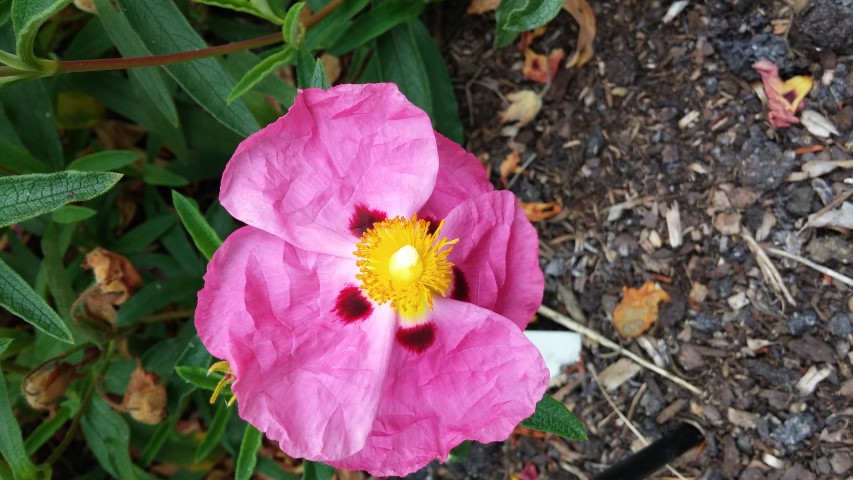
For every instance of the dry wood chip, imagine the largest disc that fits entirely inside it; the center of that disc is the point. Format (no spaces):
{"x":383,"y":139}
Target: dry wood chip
{"x":772,"y":461}
{"x":727,"y":223}
{"x":741,"y":418}
{"x":738,"y":301}
{"x":698,"y":292}
{"x":808,"y":383}
{"x":618,"y":373}
{"x":673,"y":225}
{"x":670,"y":411}
{"x":840,"y":217}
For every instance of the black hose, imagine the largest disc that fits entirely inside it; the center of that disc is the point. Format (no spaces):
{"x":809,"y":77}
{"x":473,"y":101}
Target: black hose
{"x":651,"y":458}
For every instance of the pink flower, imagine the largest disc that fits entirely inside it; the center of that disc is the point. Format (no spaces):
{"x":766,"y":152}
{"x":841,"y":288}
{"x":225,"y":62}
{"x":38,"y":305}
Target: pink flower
{"x":372,"y":310}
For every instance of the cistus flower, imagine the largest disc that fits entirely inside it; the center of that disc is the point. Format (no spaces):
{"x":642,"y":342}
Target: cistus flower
{"x":372,"y":309}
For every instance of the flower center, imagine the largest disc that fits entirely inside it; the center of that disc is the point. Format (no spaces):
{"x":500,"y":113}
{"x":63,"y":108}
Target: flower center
{"x":403,"y":262}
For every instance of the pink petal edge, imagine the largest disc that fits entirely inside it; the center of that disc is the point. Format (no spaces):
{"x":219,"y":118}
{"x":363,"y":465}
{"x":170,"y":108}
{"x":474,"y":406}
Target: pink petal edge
{"x":460,"y":177}
{"x":498,"y":254}
{"x":301,"y":177}
{"x":477,"y":381}
{"x":304,"y":377}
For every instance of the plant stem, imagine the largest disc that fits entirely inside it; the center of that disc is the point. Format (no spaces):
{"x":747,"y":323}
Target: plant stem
{"x":72,"y":66}
{"x":84,"y":403}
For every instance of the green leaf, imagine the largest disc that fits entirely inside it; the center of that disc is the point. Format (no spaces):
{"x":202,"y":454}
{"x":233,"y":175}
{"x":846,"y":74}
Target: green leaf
{"x":375,"y":23}
{"x":48,"y":428}
{"x":20,"y":299}
{"x":27,"y":196}
{"x":54,"y":243}
{"x":293,"y":30}
{"x":310,"y":73}
{"x":105,"y":161}
{"x":108,"y":437}
{"x":30,"y":109}
{"x":214,"y":431}
{"x":272,"y":86}
{"x":154,"y":175}
{"x":408,"y":57}
{"x":198,"y":377}
{"x":257,"y":8}
{"x":203,"y":235}
{"x":72,"y":214}
{"x":552,"y":416}
{"x":4,"y":344}
{"x":11,"y":443}
{"x":130,"y":45}
{"x":17,"y":160}
{"x":156,"y":295}
{"x":459,"y":452}
{"x":524,"y":15}
{"x":165,"y":30}
{"x":248,"y":456}
{"x":27,"y":17}
{"x":331,"y":28}
{"x":260,"y":71}
{"x":143,"y":235}
{"x":316,"y":471}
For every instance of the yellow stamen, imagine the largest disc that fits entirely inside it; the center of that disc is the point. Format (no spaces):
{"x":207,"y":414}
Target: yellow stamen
{"x":402,"y":262}
{"x":225,"y":368}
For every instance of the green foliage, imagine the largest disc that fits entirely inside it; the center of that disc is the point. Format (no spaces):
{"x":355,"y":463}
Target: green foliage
{"x":20,"y":299}
{"x":11,"y":444}
{"x":167,"y":131}
{"x":515,"y":16}
{"x":552,"y":416}
{"x":26,"y":196}
{"x":248,"y":456}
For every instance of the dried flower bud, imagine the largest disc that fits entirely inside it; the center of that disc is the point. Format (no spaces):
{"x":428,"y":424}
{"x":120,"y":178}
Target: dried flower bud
{"x":115,"y":280}
{"x":44,"y":386}
{"x":145,"y":397}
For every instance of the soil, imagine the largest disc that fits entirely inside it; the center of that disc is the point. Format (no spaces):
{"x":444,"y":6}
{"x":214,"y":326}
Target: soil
{"x":617,"y":131}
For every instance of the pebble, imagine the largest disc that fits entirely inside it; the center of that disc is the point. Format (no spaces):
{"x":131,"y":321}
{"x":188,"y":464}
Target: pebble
{"x":801,"y":322}
{"x":800,"y":202}
{"x":795,"y":429}
{"x":595,"y":142}
{"x":840,"y":325}
{"x":556,"y":267}
{"x":823,"y":249}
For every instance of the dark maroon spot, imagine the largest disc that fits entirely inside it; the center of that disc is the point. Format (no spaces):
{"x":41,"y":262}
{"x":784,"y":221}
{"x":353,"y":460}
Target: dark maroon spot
{"x":790,"y":96}
{"x":418,"y":338}
{"x":351,"y":305}
{"x":432,"y":224}
{"x":363,"y":218}
{"x":460,"y":286}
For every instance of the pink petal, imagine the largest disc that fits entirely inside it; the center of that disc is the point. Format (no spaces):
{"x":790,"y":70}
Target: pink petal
{"x":460,"y":177}
{"x":306,"y":377}
{"x":302,"y":177}
{"x":477,"y":381}
{"x":498,"y":255}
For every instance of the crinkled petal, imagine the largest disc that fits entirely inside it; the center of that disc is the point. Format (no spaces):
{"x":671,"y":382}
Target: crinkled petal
{"x":460,"y":177}
{"x":477,"y":381}
{"x":497,"y":255}
{"x":304,"y":377}
{"x":303,"y":177}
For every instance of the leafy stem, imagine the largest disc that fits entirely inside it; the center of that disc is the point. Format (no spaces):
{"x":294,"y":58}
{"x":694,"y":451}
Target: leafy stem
{"x":100,"y":64}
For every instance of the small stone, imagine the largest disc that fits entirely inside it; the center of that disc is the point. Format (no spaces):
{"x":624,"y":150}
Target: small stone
{"x":727,"y":223}
{"x":823,"y":249}
{"x":840,"y":325}
{"x":801,"y":322}
{"x":711,"y":85}
{"x":761,"y":163}
{"x":795,"y":429}
{"x":556,"y":267}
{"x":706,"y":322}
{"x":800,"y":202}
{"x":595,"y":142}
{"x":840,"y":462}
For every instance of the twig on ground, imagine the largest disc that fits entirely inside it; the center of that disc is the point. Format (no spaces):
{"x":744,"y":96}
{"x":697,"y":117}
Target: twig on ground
{"x":583,"y":330}
{"x":624,"y":419}
{"x":771,"y":273}
{"x":809,"y":263}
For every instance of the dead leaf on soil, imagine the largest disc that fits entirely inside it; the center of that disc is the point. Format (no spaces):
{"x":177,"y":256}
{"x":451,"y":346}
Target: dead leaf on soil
{"x":538,"y":211}
{"x":523,"y":107}
{"x":479,"y":7}
{"x":526,"y":38}
{"x":508,"y":166}
{"x":638,"y":309}
{"x":115,"y":280}
{"x":542,"y":69}
{"x":784,"y":98}
{"x":585,"y":17}
{"x":817,"y":124}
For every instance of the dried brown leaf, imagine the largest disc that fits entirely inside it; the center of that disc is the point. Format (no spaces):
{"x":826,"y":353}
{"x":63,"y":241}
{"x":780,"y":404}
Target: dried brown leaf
{"x":538,"y":211}
{"x":585,"y":17}
{"x":523,"y":107}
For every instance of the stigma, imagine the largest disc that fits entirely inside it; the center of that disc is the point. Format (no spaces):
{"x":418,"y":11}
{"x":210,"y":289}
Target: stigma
{"x":404,"y":262}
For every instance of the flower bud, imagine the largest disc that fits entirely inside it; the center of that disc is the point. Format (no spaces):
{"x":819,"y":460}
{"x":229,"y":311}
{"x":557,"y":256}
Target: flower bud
{"x":145,"y":397}
{"x":44,"y":386}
